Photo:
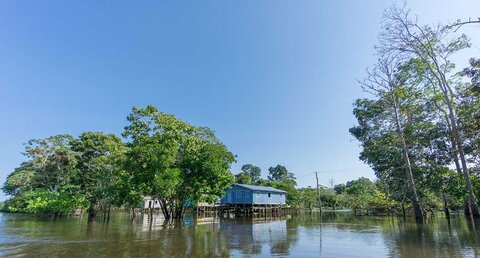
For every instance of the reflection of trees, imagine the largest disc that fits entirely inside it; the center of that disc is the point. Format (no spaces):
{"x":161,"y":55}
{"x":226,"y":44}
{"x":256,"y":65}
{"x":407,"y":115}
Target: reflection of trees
{"x":28,"y":236}
{"x":435,"y":239}
{"x":119,"y":238}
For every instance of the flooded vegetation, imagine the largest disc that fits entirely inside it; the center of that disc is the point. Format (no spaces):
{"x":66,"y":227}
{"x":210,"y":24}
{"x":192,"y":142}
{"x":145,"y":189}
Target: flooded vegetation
{"x":223,"y":99}
{"x":331,"y":235}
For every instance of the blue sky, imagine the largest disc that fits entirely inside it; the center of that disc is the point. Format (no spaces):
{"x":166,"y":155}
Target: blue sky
{"x":275,"y":79}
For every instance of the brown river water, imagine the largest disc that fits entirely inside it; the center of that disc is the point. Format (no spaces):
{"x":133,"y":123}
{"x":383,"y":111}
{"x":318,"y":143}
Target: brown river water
{"x":337,"y":234}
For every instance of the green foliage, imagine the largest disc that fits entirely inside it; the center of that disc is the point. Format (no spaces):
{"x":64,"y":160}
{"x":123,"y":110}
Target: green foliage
{"x":174,"y":161}
{"x":46,"y":177}
{"x":361,"y":186}
{"x":243,"y":178}
{"x":329,"y":198}
{"x":19,"y":180}
{"x":165,"y":158}
{"x":280,"y":174}
{"x":381,"y":203}
{"x":100,"y":161}
{"x":473,"y":72}
{"x":307,"y":198}
{"x":340,"y":188}
{"x":57,"y":203}
{"x":253,"y":171}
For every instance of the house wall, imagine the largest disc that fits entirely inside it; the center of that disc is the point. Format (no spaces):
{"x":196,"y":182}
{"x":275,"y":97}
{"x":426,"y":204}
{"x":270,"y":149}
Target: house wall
{"x":240,"y":195}
{"x":261,"y":197}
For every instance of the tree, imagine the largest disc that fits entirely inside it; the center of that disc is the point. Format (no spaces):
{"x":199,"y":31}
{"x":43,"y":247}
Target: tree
{"x":395,"y":111}
{"x":361,"y":186}
{"x":307,"y":198}
{"x":433,"y":47}
{"x":469,"y":112}
{"x":53,"y":161}
{"x":339,"y":188}
{"x":44,"y":183}
{"x":243,"y":178}
{"x":101,"y":159}
{"x":254,"y":171}
{"x":280,"y":173}
{"x":459,"y":23}
{"x":174,"y":161}
{"x":20,"y":180}
{"x":473,"y":72}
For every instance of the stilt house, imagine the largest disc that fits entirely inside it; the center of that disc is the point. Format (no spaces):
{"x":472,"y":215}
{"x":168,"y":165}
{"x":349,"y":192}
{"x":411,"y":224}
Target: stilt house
{"x":254,"y":194}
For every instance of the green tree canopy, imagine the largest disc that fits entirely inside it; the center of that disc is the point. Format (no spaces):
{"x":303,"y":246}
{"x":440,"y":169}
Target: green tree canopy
{"x":100,"y":162}
{"x":243,"y":178}
{"x":254,"y":171}
{"x":280,"y":174}
{"x":174,"y":161}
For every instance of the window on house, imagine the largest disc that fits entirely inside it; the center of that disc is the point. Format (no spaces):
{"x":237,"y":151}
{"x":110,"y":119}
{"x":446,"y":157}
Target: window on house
{"x":269,"y":195}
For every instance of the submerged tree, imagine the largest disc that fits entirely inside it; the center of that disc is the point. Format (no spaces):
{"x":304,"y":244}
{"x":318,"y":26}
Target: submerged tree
{"x":174,"y":161}
{"x":432,"y":46}
{"x":387,"y":121}
{"x":44,"y":183}
{"x":101,"y":159}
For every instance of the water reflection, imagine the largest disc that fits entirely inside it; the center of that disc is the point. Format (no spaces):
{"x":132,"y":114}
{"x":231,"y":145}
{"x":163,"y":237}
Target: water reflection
{"x":309,"y":235}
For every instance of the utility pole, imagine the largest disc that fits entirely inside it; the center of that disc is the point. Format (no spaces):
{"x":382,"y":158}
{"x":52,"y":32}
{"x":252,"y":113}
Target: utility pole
{"x":318,"y":193}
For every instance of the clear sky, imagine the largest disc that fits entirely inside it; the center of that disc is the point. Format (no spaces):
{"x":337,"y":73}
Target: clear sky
{"x":275,"y":79}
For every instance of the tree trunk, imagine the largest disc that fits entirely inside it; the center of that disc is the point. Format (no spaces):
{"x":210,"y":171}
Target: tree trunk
{"x":165,"y":209}
{"x":417,"y":208}
{"x":445,"y":206}
{"x":108,"y":213}
{"x":92,"y":212}
{"x":458,"y":168}
{"x":448,"y":94}
{"x":471,"y":195}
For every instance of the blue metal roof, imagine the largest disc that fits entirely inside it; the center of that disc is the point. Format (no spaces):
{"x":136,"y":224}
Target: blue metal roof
{"x":261,"y":188}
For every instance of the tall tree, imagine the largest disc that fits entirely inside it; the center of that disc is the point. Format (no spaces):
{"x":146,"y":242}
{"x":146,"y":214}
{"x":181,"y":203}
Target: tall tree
{"x":44,"y":183}
{"x":243,"y":178}
{"x":433,"y":46}
{"x":469,"y":112}
{"x":280,"y":174}
{"x":254,"y":171}
{"x":101,"y":159}
{"x":391,"y":113}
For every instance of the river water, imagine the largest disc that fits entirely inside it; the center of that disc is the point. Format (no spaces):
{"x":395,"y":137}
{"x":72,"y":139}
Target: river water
{"x":329,"y":235}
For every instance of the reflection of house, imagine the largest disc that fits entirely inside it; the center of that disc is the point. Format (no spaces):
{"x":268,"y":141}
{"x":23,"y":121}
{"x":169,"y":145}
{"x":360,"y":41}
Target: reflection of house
{"x":253,"y":194}
{"x":249,"y":236}
{"x":273,"y":231}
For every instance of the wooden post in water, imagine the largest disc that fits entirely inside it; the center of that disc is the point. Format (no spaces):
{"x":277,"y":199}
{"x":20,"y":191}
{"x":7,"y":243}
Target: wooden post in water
{"x":318,"y":193}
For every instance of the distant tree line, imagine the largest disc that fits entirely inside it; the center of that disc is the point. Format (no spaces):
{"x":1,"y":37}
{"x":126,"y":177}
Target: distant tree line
{"x":361,"y":195}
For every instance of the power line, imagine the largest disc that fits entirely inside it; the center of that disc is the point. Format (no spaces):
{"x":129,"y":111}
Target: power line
{"x":330,"y":170}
